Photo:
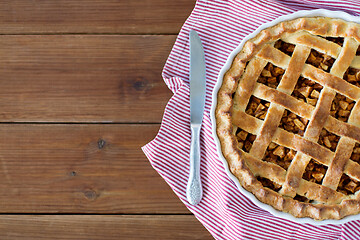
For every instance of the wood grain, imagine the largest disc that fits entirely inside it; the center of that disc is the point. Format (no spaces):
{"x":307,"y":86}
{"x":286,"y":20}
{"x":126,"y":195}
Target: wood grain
{"x":67,"y":69}
{"x":77,"y":168}
{"x":93,"y":16}
{"x":77,"y":227}
{"x":83,"y":78}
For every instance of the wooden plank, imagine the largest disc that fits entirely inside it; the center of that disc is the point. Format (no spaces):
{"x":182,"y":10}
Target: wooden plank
{"x":93,"y":16}
{"x":77,"y":227}
{"x":76,"y":168}
{"x":83,"y":78}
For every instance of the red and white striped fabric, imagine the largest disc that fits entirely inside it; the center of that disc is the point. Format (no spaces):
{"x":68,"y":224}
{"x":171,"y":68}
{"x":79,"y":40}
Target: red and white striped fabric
{"x":224,"y":211}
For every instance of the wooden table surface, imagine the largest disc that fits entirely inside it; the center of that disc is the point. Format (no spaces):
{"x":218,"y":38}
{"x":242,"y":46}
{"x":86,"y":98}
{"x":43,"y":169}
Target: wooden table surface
{"x":81,"y":92}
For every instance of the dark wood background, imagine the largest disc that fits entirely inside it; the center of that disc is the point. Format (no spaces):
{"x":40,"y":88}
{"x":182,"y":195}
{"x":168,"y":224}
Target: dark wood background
{"x":81,"y":91}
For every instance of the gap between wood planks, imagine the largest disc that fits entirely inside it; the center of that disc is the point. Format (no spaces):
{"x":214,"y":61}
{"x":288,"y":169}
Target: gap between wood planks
{"x":86,"y":123}
{"x":98,"y":214}
{"x":99,"y":33}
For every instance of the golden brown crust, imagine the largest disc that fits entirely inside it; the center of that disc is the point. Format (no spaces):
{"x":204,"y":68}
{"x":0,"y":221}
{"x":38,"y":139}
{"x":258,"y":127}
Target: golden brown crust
{"x":238,"y":86}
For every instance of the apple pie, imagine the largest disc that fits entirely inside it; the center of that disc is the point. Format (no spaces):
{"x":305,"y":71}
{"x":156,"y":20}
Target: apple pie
{"x":288,"y":117}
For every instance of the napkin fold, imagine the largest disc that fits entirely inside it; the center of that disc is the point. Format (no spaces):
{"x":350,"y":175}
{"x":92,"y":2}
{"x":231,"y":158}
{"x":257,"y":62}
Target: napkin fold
{"x":224,"y":211}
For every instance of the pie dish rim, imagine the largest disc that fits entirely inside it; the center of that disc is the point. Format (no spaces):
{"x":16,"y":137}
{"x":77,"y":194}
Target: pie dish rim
{"x":299,"y":14}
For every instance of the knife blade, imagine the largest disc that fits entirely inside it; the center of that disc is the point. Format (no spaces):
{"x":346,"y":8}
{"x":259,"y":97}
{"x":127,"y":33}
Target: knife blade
{"x":197,"y":103}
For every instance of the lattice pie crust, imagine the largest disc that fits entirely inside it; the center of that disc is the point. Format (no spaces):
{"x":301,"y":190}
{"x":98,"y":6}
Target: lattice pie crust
{"x":288,"y":117}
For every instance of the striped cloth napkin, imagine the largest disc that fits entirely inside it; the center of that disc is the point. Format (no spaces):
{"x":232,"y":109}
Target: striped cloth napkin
{"x":224,"y":211}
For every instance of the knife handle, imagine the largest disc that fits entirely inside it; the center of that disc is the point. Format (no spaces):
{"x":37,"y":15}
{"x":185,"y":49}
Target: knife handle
{"x":194,"y":189}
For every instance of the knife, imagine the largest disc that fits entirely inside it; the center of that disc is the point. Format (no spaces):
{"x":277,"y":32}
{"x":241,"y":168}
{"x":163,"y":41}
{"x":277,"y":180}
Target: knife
{"x":197,"y":102}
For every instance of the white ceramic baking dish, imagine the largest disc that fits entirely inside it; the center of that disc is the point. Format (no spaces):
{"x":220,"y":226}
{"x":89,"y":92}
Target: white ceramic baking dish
{"x":312,"y":13}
